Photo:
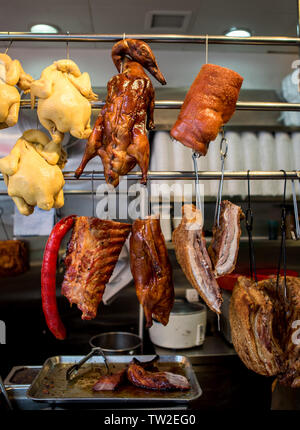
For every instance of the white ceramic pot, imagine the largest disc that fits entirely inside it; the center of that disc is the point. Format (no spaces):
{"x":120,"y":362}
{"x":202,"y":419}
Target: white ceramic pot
{"x":186,"y":327}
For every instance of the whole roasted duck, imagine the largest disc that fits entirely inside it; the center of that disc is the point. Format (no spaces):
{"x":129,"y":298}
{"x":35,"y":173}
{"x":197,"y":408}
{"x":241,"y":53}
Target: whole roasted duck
{"x":92,"y":254}
{"x":119,"y":135}
{"x":151,"y":269}
{"x":208,"y":105}
{"x":265,"y":327}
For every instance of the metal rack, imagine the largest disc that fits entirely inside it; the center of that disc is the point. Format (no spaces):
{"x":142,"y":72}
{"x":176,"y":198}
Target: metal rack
{"x":172,"y":104}
{"x":151,"y":38}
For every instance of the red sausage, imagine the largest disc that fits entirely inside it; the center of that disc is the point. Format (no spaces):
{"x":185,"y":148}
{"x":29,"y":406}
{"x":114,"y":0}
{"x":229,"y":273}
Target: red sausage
{"x":48,"y":276}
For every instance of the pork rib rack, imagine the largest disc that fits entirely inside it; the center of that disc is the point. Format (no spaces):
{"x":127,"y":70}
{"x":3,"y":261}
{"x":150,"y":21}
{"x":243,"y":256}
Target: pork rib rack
{"x":92,"y":254}
{"x":151,"y":269}
{"x":208,"y":105}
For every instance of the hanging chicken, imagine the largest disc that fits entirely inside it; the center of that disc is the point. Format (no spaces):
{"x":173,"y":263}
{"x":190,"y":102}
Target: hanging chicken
{"x":64,"y":103}
{"x":119,"y":135}
{"x":208,"y":105}
{"x":11,"y":75}
{"x":30,"y":179}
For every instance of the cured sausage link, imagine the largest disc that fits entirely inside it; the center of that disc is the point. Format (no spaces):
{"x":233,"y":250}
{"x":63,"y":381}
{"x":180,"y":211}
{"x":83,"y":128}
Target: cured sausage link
{"x":48,"y":276}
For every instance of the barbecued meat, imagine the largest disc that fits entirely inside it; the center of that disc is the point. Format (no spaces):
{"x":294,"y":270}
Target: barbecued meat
{"x":161,"y":381}
{"x":110,"y":382}
{"x":208,"y":105}
{"x":263,"y":327}
{"x":224,"y":246}
{"x":13,"y":257}
{"x":151,"y":269}
{"x":92,"y":254}
{"x":191,"y":253}
{"x":119,"y":135}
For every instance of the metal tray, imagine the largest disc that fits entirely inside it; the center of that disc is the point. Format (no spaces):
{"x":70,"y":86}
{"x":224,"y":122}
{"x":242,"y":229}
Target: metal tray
{"x":51,"y":386}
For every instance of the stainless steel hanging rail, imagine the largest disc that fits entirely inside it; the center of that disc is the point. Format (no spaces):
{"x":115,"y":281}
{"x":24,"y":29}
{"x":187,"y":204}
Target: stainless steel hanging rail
{"x":153,"y":38}
{"x":176,"y":104}
{"x":180,"y":175}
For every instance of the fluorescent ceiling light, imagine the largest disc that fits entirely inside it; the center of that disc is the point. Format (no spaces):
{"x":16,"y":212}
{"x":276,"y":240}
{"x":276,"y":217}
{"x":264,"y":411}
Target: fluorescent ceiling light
{"x":43,"y":28}
{"x":238,"y":32}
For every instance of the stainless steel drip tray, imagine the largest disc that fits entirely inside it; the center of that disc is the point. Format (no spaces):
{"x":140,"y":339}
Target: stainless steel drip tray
{"x":51,"y":385}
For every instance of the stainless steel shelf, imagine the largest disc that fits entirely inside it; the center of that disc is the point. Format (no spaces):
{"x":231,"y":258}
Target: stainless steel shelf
{"x":151,"y":38}
{"x":176,"y":104}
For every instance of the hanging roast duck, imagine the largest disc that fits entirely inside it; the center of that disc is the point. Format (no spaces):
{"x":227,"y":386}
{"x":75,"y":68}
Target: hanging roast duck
{"x":119,"y":135}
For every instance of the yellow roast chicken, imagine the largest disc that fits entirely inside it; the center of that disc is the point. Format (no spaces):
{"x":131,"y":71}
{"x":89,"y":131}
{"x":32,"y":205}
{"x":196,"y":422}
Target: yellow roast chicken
{"x":64,"y":94}
{"x":30,"y":179}
{"x":11,"y":74}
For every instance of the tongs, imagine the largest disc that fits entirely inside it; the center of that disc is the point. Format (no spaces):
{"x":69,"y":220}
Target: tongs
{"x":73,"y":370}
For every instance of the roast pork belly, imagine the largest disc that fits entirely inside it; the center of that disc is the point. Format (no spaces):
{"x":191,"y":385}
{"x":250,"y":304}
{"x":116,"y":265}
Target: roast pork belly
{"x":208,"y":105}
{"x":13,"y":257}
{"x":151,"y":269}
{"x":92,"y":254}
{"x":192,"y":255}
{"x":263,"y":327}
{"x":110,"y":382}
{"x":251,"y":320}
{"x":161,"y":381}
{"x":224,"y":246}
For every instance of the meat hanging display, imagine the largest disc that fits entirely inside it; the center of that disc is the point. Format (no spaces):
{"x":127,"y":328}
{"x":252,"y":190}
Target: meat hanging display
{"x":151,"y":269}
{"x":64,"y":103}
{"x":30,"y":179}
{"x":263,"y":327}
{"x":92,"y":253}
{"x":224,"y":247}
{"x":119,"y":135}
{"x":192,"y":255}
{"x":208,"y":105}
{"x":11,"y":75}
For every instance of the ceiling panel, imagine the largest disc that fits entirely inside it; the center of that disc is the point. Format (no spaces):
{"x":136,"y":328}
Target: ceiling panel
{"x":68,"y":15}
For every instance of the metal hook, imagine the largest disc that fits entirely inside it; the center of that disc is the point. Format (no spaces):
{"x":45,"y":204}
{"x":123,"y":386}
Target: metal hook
{"x":93,"y":195}
{"x":10,"y":43}
{"x":68,"y":50}
{"x":2,"y":224}
{"x":195,"y":156}
{"x":283,"y":239}
{"x":223,"y":153}
{"x":296,"y":214}
{"x":122,"y":61}
{"x":206,"y":49}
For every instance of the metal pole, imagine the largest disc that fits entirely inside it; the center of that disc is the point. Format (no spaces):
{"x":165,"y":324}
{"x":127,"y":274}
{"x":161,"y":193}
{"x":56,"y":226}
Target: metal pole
{"x":180,"y":175}
{"x":176,"y":104}
{"x":151,"y":38}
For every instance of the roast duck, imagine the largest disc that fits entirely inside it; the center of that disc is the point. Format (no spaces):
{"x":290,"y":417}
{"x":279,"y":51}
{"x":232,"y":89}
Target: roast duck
{"x":12,"y":75}
{"x":143,"y":375}
{"x":30,"y":179}
{"x":202,"y":266}
{"x":92,"y":254}
{"x":151,"y":269}
{"x":119,"y":135}
{"x":208,"y":105}
{"x":265,"y":327}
